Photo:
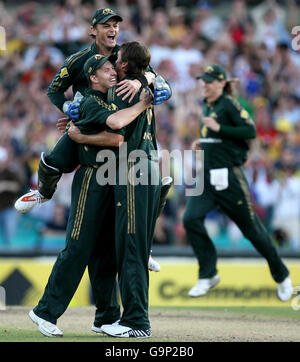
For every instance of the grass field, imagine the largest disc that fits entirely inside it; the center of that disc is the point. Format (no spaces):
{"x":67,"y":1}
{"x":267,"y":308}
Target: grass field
{"x":194,"y":324}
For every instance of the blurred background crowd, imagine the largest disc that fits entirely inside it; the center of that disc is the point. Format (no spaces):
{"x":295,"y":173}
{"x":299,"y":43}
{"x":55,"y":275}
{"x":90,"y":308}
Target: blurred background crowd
{"x":252,"y":40}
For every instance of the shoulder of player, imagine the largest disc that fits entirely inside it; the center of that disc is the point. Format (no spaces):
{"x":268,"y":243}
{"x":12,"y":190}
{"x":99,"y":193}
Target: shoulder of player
{"x":78,"y":58}
{"x":233,"y":103}
{"x":92,"y":100}
{"x":230,"y":102}
{"x":117,"y":99}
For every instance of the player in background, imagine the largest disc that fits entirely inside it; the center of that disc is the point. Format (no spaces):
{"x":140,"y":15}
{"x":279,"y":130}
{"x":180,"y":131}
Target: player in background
{"x":225,"y":129}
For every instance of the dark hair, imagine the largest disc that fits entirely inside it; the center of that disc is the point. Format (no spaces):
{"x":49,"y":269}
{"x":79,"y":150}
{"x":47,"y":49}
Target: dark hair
{"x":230,"y":86}
{"x":137,"y":55}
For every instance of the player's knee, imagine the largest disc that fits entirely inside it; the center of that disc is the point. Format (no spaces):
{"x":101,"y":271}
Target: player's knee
{"x":253,"y":234}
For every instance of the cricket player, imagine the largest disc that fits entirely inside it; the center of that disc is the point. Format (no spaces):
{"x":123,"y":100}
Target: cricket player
{"x":136,"y":204}
{"x":89,"y":208}
{"x":225,"y":129}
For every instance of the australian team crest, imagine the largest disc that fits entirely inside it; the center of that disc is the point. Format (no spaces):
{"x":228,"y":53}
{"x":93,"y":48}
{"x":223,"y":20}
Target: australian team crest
{"x":209,"y":69}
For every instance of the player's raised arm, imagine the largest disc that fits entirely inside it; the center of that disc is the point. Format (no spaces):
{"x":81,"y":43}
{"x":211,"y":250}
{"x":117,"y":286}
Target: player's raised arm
{"x":125,"y":116}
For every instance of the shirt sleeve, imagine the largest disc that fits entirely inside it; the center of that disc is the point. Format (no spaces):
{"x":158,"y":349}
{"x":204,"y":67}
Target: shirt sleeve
{"x":243,"y":125}
{"x":93,"y":116}
{"x":121,"y":104}
{"x":60,"y":83}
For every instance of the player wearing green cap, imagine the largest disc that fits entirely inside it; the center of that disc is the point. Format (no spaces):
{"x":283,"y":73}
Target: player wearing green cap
{"x":225,"y":129}
{"x":104,"y":29}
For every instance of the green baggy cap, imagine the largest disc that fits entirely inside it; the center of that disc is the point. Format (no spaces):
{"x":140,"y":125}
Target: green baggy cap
{"x":213,"y":72}
{"x":102,"y":15}
{"x":95,"y":62}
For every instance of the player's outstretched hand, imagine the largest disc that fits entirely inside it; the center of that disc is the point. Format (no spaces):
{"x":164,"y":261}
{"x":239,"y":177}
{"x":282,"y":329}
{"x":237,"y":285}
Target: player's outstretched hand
{"x":61,"y":124}
{"x":129,"y":88}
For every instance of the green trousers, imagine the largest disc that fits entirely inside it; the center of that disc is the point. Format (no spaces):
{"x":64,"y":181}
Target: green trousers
{"x":89,"y":242}
{"x":235,"y":202}
{"x":64,"y":155}
{"x":136,"y":215}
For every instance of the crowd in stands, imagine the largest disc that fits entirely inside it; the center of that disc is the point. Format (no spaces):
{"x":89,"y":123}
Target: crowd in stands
{"x":251,"y":40}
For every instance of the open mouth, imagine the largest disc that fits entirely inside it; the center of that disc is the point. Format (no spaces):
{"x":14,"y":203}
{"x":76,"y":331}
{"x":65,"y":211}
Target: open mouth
{"x":111,"y":37}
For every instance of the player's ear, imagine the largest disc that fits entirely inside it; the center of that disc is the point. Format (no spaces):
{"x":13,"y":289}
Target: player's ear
{"x":93,"y":78}
{"x":93,"y":30}
{"x":124,"y":66}
{"x":223,"y":83}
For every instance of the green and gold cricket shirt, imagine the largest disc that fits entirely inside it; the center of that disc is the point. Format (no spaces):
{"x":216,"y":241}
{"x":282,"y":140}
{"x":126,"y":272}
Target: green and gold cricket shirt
{"x":229,"y":146}
{"x":94,"y":111}
{"x":141,"y":133}
{"x":71,"y":74}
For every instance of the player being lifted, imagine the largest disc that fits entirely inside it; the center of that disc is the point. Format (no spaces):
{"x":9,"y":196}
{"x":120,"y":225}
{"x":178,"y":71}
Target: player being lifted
{"x":104,"y":29}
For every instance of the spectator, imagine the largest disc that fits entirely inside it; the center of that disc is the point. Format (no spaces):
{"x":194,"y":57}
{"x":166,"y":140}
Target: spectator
{"x":287,"y":204}
{"x":252,"y":44}
{"x":10,"y":188}
{"x":269,"y":18}
{"x":211,"y":24}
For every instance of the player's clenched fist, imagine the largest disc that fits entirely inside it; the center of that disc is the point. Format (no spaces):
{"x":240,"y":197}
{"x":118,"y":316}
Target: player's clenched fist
{"x":211,"y":123}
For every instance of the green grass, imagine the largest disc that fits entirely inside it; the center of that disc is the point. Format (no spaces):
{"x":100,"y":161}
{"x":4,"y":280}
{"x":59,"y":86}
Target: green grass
{"x":23,"y":335}
{"x":8,"y":334}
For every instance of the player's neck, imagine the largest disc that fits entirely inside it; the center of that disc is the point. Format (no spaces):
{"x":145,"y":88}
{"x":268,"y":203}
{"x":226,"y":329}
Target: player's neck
{"x":99,"y":87}
{"x":121,"y":75}
{"x":212,"y":98}
{"x":101,"y":49}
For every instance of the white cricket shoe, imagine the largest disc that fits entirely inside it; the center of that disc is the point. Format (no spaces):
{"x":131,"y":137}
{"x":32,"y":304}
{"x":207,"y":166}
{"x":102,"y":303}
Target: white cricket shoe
{"x":28,"y":201}
{"x":203,"y":285}
{"x":99,"y":329}
{"x":153,"y":265}
{"x":125,"y":332}
{"x":48,"y":329}
{"x":285,"y":289}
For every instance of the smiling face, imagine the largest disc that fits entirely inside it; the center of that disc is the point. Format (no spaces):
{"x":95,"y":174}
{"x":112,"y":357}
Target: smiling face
{"x":104,"y":77}
{"x":106,"y":35}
